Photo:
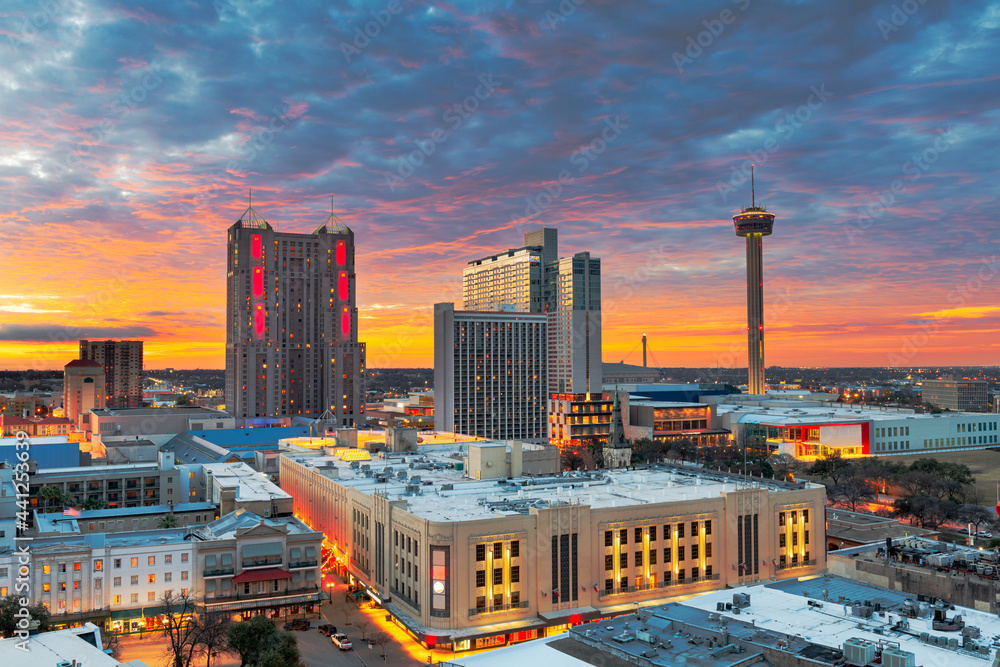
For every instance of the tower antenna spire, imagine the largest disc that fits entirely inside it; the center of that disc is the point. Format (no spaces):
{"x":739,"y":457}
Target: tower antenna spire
{"x":250,"y":198}
{"x":753,"y":196}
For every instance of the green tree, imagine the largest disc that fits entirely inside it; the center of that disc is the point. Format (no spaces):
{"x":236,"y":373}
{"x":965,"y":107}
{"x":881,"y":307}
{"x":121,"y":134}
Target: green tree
{"x":10,"y":605}
{"x":167,"y":521}
{"x":55,"y":497}
{"x":94,"y":504}
{"x":248,"y":638}
{"x":832,"y":466}
{"x":279,"y":649}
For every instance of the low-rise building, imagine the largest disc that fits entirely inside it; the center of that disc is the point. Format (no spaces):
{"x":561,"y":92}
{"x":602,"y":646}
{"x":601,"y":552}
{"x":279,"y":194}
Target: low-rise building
{"x":123,"y":519}
{"x":456,"y":560}
{"x":81,"y":646}
{"x":153,"y":421}
{"x":956,"y":395}
{"x":850,"y":529}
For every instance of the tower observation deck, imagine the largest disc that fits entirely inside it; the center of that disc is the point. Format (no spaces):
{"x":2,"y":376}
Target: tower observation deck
{"x":754,"y":223}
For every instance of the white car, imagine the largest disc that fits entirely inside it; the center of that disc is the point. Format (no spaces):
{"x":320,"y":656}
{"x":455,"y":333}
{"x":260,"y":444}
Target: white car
{"x":341,"y":641}
{"x":984,"y":533}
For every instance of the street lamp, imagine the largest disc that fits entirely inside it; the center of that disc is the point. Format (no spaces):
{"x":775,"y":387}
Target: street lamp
{"x":330,"y":585}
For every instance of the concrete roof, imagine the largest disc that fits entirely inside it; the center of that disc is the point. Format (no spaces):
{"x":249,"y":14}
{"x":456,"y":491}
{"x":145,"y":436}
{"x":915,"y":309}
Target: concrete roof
{"x":470,"y":499}
{"x":252,"y":485}
{"x":51,"y":648}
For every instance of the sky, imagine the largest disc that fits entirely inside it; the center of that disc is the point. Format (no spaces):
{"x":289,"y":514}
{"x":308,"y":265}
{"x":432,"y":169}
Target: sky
{"x":131,"y":135}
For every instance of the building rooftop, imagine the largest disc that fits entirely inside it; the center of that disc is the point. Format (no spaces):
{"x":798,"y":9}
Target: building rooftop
{"x":57,"y":522}
{"x":79,"y":645}
{"x":444,"y":493}
{"x":867,"y":528}
{"x":83,"y":363}
{"x":194,"y":410}
{"x":252,"y":485}
{"x":227,"y":527}
{"x":787,"y":414}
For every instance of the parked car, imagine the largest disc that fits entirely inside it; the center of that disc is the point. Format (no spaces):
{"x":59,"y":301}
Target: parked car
{"x":341,"y":641}
{"x":984,"y":533}
{"x":300,"y":624}
{"x":326,"y":629}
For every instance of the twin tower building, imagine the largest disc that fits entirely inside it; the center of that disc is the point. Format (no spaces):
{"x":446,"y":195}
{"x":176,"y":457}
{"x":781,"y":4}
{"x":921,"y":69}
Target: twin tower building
{"x":530,"y":327}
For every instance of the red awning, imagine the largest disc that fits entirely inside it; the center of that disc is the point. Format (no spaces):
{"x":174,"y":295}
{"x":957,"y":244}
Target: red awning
{"x":261,"y":575}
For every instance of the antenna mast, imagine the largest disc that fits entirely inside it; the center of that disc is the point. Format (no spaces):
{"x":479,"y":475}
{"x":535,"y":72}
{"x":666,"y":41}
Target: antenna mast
{"x":753,"y":197}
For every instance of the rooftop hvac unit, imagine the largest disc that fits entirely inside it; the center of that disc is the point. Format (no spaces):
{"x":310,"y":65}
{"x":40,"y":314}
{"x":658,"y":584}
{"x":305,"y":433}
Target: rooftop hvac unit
{"x":412,"y":489}
{"x":858,"y":652}
{"x":447,"y":487}
{"x":861,"y":611}
{"x":741,"y":600}
{"x":894,"y":657}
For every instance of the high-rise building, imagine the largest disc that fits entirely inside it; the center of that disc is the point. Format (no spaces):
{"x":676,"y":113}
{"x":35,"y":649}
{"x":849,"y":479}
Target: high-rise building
{"x":754,"y":223}
{"x":83,"y":391}
{"x":575,"y":325}
{"x":292,"y":345}
{"x":489,"y":373}
{"x":512,"y":280}
{"x":122,"y":362}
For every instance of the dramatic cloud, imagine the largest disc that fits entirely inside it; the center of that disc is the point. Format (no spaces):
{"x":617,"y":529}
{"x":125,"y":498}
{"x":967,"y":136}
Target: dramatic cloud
{"x":443,"y":132}
{"x":53,"y":332}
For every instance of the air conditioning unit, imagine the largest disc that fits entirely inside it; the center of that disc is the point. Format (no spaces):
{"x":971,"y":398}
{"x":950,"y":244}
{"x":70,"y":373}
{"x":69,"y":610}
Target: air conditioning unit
{"x":858,"y":652}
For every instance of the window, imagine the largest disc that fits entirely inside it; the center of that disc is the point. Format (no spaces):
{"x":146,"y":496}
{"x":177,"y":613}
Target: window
{"x":680,"y":554}
{"x":609,"y":562}
{"x":708,"y":526}
{"x":652,"y":556}
{"x":638,"y":535}
{"x":118,"y":563}
{"x":135,"y":562}
{"x":62,"y":586}
{"x":97,"y":584}
{"x":480,"y":553}
{"x":694,"y":529}
{"x":623,"y":536}
{"x":608,"y":539}
{"x":694,"y":551}
{"x":76,"y":567}
{"x":708,"y":549}
{"x":152,"y":560}
{"x":666,"y":554}
{"x":805,"y":537}
{"x":666,"y":532}
{"x":98,"y":565}
{"x":623,"y":583}
{"x":168,"y":576}
{"x":515,"y":574}
{"x":46,"y":588}
{"x":46,"y":569}
{"x":184,"y":592}
{"x":680,"y":574}
{"x":168,"y":559}
{"x":652,"y":533}
{"x":781,"y":540}
{"x":515,"y":598}
{"x":694,"y":573}
{"x":667,"y":576}
{"x":76,"y":585}
{"x":151,"y":596}
{"x":184,"y":576}
{"x":118,"y":599}
{"x":134,"y":598}
{"x":480,"y":602}
{"x":623,"y":560}
{"x":609,"y":585}
{"x":795,"y":539}
{"x":184,"y":557}
{"x":117,"y":581}
{"x":62,"y":568}
{"x":680,"y":531}
{"x":708,"y":571}
{"x":497,"y":576}
{"x":781,"y":518}
{"x":638,"y":559}
{"x":498,"y":549}
{"x":135,"y":580}
{"x":805,"y":516}
{"x":515,"y":548}
{"x":498,"y":600}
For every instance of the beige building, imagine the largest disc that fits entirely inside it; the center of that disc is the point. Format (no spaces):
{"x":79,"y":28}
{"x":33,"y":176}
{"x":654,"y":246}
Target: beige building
{"x":957,"y":395}
{"x":472,"y":563}
{"x":122,"y":363}
{"x":146,"y":422}
{"x":83,"y":391}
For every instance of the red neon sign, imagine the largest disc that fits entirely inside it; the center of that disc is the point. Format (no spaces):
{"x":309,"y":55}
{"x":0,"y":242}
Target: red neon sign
{"x":342,"y":287}
{"x":345,"y":322}
{"x":258,"y":282}
{"x":341,"y":253}
{"x":256,"y":250}
{"x":258,"y":320}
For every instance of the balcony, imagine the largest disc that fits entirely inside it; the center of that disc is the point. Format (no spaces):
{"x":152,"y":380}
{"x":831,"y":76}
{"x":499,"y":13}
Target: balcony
{"x":218,"y":572}
{"x":478,"y":611}
{"x":264,"y":561}
{"x":114,"y":486}
{"x":303,"y":563}
{"x":790,"y":566}
{"x":663,"y":584}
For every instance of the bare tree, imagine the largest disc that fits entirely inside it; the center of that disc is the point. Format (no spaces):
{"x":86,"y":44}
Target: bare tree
{"x":977,"y":515}
{"x":363,"y":624}
{"x":852,"y":492}
{"x":212,"y":636}
{"x":380,"y":638}
{"x":179,"y":629}
{"x":346,"y":608}
{"x":112,"y":641}
{"x":571,"y":458}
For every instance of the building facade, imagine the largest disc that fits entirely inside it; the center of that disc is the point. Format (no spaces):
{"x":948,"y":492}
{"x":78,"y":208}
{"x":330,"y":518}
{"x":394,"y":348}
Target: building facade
{"x":122,"y":362}
{"x":83,"y":391}
{"x":490,"y":373}
{"x":579,"y":420}
{"x":292,"y":342}
{"x":574,"y":284}
{"x":957,"y":395}
{"x":530,"y":554}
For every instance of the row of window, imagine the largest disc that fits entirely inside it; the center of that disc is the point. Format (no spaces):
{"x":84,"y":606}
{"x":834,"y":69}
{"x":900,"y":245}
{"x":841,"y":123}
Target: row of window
{"x":794,"y":515}
{"x":638,"y":531}
{"x":515,"y":576}
{"x":497,"y":547}
{"x":681,"y":553}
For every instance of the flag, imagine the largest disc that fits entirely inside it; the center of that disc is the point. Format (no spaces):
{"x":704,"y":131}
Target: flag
{"x":70,"y":511}
{"x":595,"y":588}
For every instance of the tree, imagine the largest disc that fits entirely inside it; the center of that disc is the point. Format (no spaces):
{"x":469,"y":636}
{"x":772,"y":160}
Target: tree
{"x":94,"y":504}
{"x":380,"y":638}
{"x":595,"y":453}
{"x":347,"y":608}
{"x":363,"y":624}
{"x":179,"y":629}
{"x":167,"y":521}
{"x":852,"y":492}
{"x":55,"y":496}
{"x":832,"y":466}
{"x":571,"y":459}
{"x":246,"y":638}
{"x":212,"y":635}
{"x":260,"y":644}
{"x":278,"y":650}
{"x":11,"y":605}
{"x":977,"y":515}
{"x":113,"y":641}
